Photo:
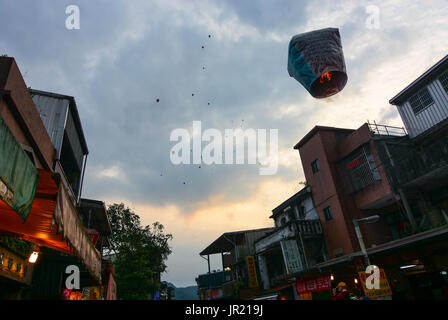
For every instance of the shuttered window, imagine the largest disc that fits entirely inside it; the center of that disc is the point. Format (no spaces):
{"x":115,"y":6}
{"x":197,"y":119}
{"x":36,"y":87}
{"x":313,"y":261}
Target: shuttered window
{"x":444,"y":81}
{"x":359,"y":169}
{"x":421,"y":100}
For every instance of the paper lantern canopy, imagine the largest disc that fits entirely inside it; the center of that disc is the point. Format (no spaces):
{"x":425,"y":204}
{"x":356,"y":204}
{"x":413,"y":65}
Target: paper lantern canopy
{"x":316,"y":60}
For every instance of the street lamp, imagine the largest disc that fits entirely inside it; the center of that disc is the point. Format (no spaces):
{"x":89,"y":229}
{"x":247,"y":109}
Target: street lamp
{"x":33,"y":257}
{"x":370,"y":219}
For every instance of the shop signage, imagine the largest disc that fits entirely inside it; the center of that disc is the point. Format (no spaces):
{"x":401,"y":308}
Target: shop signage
{"x":292,"y":256}
{"x":306,"y":296}
{"x":352,"y":164}
{"x":5,"y":194}
{"x":319,"y":283}
{"x":216,"y":293}
{"x":253,"y":281}
{"x":384,"y":289}
{"x":111,"y":289}
{"x":13,"y":266}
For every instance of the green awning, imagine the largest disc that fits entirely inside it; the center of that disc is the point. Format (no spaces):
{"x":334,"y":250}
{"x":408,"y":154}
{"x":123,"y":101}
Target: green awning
{"x":18,"y":175}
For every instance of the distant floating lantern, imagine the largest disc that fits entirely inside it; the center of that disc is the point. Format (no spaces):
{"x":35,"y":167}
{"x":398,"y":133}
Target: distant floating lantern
{"x":316,"y":60}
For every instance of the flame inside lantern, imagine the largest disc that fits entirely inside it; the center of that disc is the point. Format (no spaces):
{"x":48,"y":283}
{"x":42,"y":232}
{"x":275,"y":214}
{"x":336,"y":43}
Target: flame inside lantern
{"x":325,"y":77}
{"x":328,"y":84}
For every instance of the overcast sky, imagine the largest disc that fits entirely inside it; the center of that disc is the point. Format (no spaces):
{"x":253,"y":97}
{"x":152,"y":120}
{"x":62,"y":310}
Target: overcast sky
{"x":128,"y":54}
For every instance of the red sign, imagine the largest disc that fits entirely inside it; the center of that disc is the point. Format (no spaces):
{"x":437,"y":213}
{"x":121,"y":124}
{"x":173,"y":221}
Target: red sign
{"x":253,"y":281}
{"x":320,"y":283}
{"x":216,"y":293}
{"x":353,"y":164}
{"x":94,"y":235}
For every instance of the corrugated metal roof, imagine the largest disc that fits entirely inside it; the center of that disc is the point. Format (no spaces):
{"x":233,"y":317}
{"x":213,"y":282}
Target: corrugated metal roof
{"x":53,"y":113}
{"x":420,"y":81}
{"x":73,"y":110}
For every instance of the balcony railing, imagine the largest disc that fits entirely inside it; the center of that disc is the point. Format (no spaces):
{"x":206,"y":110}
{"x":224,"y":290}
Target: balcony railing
{"x":58,"y":169}
{"x":309,"y":227}
{"x":417,"y":163}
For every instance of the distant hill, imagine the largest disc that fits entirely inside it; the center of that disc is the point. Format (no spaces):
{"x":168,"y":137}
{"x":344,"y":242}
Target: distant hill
{"x":187,"y":293}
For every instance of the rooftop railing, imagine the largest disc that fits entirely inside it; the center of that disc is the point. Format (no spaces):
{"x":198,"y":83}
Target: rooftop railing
{"x":381,"y":129}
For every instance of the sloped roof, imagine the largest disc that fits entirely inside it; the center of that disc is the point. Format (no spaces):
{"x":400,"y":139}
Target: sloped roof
{"x":426,"y":77}
{"x":98,"y":209}
{"x":315,"y":130}
{"x":224,"y":242}
{"x":292,"y":200}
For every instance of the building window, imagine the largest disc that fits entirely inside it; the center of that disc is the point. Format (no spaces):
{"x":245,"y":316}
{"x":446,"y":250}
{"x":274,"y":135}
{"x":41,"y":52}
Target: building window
{"x":283,"y":222}
{"x":328,"y":214}
{"x":315,"y":166}
{"x":421,"y":100}
{"x":361,"y":169}
{"x":444,"y":81}
{"x":302,"y":213}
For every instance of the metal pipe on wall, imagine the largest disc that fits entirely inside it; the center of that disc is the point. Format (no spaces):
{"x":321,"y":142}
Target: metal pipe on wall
{"x":82,"y":177}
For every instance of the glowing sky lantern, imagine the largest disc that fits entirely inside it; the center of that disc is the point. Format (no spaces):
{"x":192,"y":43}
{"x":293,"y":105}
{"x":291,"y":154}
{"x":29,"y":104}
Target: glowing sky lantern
{"x":316,"y":60}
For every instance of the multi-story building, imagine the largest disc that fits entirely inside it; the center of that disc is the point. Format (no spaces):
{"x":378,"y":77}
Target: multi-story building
{"x":294,"y":248}
{"x":41,"y":169}
{"x":60,"y":116}
{"x":237,"y":252}
{"x":382,"y":171}
{"x":29,"y":187}
{"x":417,"y":164}
{"x":374,"y":195}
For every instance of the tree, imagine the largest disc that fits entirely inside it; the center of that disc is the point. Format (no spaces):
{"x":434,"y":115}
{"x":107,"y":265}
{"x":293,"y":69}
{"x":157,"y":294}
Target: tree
{"x":140,"y":252}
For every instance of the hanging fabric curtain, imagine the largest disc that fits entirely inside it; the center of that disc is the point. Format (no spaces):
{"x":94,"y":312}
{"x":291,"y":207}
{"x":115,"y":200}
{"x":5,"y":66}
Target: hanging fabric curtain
{"x":18,"y":176}
{"x":316,"y":60}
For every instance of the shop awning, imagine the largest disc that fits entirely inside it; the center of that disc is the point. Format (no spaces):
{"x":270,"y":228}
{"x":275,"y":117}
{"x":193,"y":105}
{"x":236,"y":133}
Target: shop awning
{"x":64,"y":233}
{"x":37,"y":228}
{"x":339,"y":260}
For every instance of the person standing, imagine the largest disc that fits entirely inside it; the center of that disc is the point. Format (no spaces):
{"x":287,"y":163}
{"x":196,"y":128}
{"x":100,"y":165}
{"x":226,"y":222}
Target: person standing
{"x":342,"y":293}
